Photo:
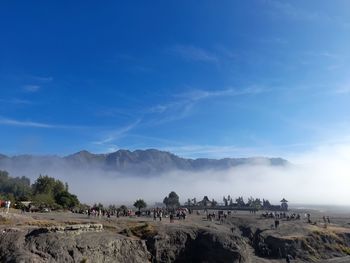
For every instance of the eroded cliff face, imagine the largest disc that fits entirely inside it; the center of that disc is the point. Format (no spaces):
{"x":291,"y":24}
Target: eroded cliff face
{"x":43,"y":245}
{"x":317,"y":245}
{"x":130,"y":240}
{"x":194,"y":244}
{"x":81,"y":244}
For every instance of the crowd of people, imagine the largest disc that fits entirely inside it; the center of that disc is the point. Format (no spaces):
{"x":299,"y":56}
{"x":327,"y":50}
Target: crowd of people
{"x":281,"y":215}
{"x":179,"y":214}
{"x":158,"y":214}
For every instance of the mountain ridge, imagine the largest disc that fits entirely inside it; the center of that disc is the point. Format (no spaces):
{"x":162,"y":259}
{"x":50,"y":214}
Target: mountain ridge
{"x":148,"y":161}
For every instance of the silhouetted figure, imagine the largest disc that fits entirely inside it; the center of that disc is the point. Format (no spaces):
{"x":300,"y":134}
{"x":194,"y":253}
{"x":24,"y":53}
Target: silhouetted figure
{"x":154,"y":215}
{"x":277,"y":223}
{"x":309,"y":218}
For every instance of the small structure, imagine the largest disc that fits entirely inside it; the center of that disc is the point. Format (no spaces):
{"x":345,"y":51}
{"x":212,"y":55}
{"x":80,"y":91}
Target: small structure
{"x":205,"y":202}
{"x":284,"y":205}
{"x":26,"y":203}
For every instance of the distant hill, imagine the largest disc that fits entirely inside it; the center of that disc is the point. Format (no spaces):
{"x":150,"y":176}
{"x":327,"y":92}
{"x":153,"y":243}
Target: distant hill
{"x":2,"y":156}
{"x":138,"y":162}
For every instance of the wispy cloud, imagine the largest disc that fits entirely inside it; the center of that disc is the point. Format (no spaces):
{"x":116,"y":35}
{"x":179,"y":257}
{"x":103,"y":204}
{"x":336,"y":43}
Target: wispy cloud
{"x":260,"y":150}
{"x":12,"y":122}
{"x":322,"y":54}
{"x":35,"y":83}
{"x":210,"y":151}
{"x":33,"y":124}
{"x":183,"y":104}
{"x":343,"y":90}
{"x":291,"y":11}
{"x":180,"y":107}
{"x":192,"y":53}
{"x":286,"y":9}
{"x":16,"y":101}
{"x":197,"y":95}
{"x":42,"y":78}
{"x":31,"y":88}
{"x":171,"y":111}
{"x":113,"y":135}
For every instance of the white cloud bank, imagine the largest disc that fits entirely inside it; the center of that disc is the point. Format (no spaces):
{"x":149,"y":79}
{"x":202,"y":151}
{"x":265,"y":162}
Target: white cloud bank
{"x":321,"y":176}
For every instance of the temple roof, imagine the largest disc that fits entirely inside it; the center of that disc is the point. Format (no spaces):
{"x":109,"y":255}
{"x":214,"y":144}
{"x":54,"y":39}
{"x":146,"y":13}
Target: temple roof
{"x":284,"y":200}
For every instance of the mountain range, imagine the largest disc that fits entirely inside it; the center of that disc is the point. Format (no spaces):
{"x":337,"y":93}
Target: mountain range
{"x":138,"y":162}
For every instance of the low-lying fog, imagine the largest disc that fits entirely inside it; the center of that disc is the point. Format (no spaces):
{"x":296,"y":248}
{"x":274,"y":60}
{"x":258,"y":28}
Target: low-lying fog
{"x":318,"y":177}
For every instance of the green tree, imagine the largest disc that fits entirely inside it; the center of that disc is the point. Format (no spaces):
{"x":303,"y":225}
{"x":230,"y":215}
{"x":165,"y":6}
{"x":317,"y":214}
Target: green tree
{"x":58,"y":188}
{"x":4,"y":176}
{"x":54,"y":193}
{"x":123,"y":208}
{"x":44,"y":185}
{"x":240,"y":202}
{"x":44,"y":200}
{"x":45,"y":192}
{"x":172,"y":201}
{"x":66,"y":199}
{"x":14,"y":188}
{"x":139,"y":204}
{"x":98,"y":206}
{"x":112,"y":207}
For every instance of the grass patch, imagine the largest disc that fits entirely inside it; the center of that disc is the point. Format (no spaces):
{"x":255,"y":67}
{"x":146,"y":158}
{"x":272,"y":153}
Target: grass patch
{"x":109,"y":227}
{"x":327,"y":233}
{"x":140,"y":230}
{"x":5,"y":221}
{"x":126,"y":232}
{"x":144,"y":230}
{"x":73,"y":223}
{"x":345,"y":249}
{"x":41,"y":223}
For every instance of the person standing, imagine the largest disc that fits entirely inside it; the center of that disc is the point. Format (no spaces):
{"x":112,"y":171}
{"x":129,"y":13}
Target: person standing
{"x":7,"y":206}
{"x":154,"y":215}
{"x":277,"y":222}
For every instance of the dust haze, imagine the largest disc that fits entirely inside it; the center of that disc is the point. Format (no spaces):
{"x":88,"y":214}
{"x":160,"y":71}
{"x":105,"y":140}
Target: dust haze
{"x":321,"y":176}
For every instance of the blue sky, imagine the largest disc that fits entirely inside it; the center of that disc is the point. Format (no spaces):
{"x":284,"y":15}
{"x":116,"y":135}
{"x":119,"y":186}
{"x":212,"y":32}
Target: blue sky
{"x":197,"y":78}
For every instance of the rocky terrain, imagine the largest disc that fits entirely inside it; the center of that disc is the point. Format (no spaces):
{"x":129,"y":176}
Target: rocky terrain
{"x":67,"y":237}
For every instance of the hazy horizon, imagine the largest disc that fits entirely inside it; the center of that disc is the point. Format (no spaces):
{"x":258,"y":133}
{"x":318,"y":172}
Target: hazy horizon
{"x":315,"y":178}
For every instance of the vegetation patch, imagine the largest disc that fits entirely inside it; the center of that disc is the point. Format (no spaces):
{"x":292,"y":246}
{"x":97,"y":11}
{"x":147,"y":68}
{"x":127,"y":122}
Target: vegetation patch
{"x":327,"y":234}
{"x":140,"y":230}
{"x":345,"y":249}
{"x":126,"y":232}
{"x":41,"y":223}
{"x":144,"y":230}
{"x":109,"y":227}
{"x":77,"y":223}
{"x":4,"y":220}
{"x":44,"y":194}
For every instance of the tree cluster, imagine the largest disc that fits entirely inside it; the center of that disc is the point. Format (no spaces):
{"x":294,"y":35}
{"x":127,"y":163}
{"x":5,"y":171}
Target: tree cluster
{"x":139,"y":204}
{"x":13,"y":189}
{"x":45,"y":192}
{"x":172,"y":201}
